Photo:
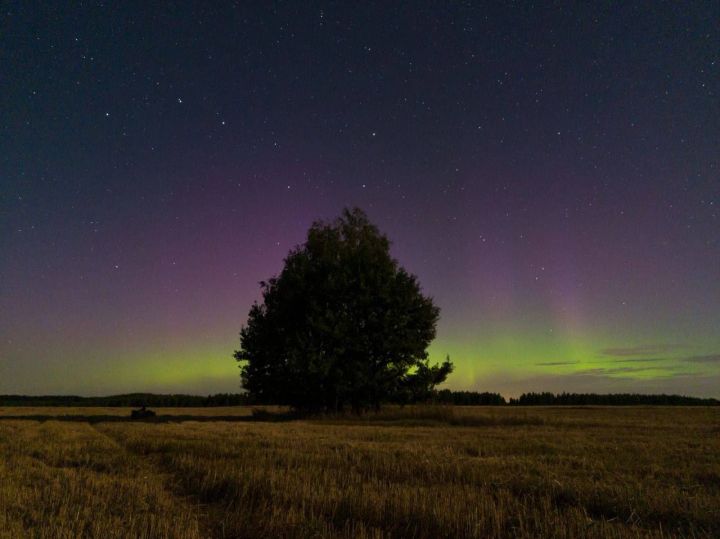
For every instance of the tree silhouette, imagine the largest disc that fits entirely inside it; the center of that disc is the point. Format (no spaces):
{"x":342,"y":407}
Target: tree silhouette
{"x":342,"y":325}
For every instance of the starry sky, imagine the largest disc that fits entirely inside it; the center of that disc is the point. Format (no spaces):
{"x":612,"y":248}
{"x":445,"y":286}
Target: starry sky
{"x":550,"y":173}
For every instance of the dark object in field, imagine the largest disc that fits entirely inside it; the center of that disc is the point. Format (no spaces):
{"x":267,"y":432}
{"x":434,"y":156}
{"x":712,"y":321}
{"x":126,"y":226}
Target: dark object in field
{"x":142,"y":413}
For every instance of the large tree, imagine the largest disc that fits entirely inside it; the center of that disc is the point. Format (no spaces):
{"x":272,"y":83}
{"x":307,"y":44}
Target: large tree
{"x":343,"y":325}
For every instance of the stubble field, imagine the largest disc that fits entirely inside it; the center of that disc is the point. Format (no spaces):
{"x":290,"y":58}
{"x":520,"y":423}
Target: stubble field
{"x":414,"y":472}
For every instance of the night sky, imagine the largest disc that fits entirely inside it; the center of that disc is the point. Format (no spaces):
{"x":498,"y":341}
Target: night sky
{"x":550,"y":174}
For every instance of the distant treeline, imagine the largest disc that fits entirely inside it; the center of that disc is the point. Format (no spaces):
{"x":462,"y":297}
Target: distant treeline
{"x":467,"y":398}
{"x":443,"y":396}
{"x":613,"y":399}
{"x":473,"y":398}
{"x":132,"y":399}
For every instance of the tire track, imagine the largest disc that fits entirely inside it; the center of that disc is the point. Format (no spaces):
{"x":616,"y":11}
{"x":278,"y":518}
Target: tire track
{"x":149,"y":469}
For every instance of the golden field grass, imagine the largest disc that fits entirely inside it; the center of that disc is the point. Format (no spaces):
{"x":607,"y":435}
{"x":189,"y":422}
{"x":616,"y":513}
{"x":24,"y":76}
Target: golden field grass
{"x":415,"y":472}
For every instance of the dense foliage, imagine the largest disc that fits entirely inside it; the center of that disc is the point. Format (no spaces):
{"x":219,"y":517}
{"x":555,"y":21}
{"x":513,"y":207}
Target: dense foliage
{"x":343,"y":325}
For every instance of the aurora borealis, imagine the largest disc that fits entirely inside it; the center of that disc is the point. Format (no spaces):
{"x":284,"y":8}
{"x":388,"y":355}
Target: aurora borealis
{"x":550,"y":174}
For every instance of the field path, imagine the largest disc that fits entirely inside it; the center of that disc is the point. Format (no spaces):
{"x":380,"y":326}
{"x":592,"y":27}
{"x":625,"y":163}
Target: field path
{"x":148,"y":464}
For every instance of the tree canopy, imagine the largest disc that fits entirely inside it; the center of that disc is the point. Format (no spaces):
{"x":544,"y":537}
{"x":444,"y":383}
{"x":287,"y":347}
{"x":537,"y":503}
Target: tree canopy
{"x":343,"y":325}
